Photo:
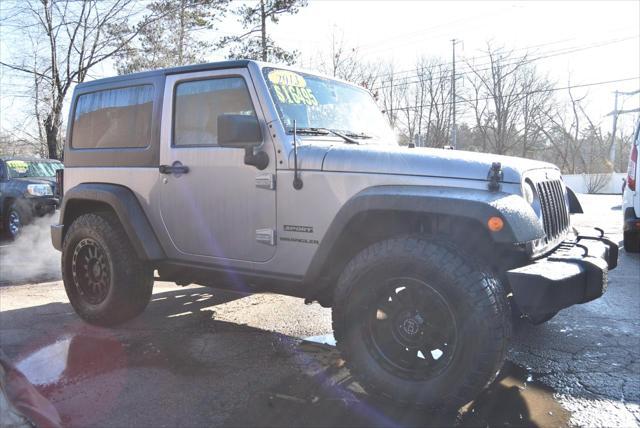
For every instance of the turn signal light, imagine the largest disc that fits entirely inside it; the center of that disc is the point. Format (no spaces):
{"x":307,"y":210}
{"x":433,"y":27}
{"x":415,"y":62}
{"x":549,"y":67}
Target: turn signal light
{"x":495,"y":224}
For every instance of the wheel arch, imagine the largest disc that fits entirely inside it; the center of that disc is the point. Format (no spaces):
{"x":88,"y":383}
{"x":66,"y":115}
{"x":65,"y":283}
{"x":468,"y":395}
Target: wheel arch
{"x":6,"y":203}
{"x":383,"y":212}
{"x":94,"y":197}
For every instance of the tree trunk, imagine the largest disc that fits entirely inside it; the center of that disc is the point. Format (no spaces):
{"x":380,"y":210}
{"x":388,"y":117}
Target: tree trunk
{"x":51,"y":129}
{"x":181,"y":35}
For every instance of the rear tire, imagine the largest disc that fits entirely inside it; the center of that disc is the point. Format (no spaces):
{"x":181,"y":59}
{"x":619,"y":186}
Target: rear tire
{"x":446,"y":334}
{"x":106,"y":282}
{"x":632,"y":242}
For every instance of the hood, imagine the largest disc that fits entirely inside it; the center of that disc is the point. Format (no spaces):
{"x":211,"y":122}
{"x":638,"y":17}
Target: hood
{"x":428,"y":162}
{"x":35,"y":180}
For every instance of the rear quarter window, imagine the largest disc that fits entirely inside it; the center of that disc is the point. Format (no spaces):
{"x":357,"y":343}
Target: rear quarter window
{"x":113,"y":118}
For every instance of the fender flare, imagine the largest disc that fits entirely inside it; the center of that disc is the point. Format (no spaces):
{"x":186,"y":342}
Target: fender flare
{"x":128,"y":209}
{"x":521,"y":224}
{"x":574,"y":204}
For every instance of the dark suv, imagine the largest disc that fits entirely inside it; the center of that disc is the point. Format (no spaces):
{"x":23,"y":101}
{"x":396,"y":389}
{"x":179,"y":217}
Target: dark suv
{"x":27,"y":189}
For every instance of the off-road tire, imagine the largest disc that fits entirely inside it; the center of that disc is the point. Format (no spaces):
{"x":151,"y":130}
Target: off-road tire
{"x":632,"y":241}
{"x":130,"y":281}
{"x":479,"y":305}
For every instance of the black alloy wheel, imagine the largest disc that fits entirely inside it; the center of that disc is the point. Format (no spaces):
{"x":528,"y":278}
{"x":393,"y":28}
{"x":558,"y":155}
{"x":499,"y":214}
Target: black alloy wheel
{"x":412,"y":330}
{"x":14,"y":223}
{"x":91,"y":271}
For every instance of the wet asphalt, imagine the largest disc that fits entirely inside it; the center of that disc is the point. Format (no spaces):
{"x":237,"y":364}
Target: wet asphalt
{"x":204,"y":357}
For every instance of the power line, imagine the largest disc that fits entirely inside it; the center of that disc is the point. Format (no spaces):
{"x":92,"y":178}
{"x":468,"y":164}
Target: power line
{"x":413,"y":70}
{"x":515,"y":61}
{"x":584,"y":85}
{"x":374,"y":46}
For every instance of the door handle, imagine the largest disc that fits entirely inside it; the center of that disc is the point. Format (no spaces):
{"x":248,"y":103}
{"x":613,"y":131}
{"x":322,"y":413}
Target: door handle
{"x":176,"y":168}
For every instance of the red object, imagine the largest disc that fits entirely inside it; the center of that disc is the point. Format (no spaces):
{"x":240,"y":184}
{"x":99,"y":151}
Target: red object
{"x":631,"y":171}
{"x":26,"y":399}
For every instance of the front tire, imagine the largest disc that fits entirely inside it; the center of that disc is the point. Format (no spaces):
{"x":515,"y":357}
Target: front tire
{"x":420,"y":323}
{"x":104,"y":279}
{"x":14,"y":221}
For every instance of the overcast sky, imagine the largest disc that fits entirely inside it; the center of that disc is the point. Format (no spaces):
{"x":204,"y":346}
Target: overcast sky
{"x":583,"y":42}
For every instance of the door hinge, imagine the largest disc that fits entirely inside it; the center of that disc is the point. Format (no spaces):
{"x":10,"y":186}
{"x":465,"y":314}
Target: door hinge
{"x":266,"y":181}
{"x":266,"y":236}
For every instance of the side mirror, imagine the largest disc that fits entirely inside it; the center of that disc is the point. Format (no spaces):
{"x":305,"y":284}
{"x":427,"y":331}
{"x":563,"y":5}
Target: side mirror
{"x":238,"y":131}
{"x":242,"y":132}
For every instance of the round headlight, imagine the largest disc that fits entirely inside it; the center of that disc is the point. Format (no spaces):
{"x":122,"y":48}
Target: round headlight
{"x":528,"y":192}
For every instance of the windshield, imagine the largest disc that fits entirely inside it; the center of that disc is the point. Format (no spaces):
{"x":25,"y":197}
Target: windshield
{"x":319,"y":103}
{"x":21,"y":168}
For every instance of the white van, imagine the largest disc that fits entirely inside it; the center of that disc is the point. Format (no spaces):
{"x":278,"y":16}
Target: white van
{"x":631,"y":198}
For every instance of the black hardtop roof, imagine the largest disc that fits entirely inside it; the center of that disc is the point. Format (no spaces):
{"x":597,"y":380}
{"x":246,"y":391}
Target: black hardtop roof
{"x":27,"y":159}
{"x":220,"y":65}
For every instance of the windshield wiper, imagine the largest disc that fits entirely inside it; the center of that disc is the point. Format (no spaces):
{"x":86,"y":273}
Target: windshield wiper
{"x":326,"y":131}
{"x":360,"y":135}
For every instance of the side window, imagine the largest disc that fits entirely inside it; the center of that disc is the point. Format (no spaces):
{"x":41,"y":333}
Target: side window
{"x":119,"y":118}
{"x":198,"y":104}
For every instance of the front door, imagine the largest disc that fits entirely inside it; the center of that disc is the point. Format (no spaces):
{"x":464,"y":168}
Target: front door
{"x":220,"y":208}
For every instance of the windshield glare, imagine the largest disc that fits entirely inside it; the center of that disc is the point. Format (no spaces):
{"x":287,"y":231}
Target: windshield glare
{"x":316,"y":102}
{"x":21,"y":169}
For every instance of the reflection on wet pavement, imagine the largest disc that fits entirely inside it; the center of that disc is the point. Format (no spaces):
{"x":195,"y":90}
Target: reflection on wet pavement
{"x":326,"y":395}
{"x":318,"y":391}
{"x":72,"y":358}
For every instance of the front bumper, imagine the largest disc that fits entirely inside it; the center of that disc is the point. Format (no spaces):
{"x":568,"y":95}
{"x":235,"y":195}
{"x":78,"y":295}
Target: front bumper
{"x":56,"y":236}
{"x":576,"y":272}
{"x":43,"y":205}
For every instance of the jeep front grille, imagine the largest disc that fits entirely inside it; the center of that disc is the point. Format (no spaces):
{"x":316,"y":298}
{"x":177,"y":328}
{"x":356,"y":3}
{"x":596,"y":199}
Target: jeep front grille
{"x":555,"y":214}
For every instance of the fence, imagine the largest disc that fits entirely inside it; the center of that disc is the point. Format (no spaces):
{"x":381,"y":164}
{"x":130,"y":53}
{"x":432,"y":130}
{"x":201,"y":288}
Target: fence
{"x":595,"y":183}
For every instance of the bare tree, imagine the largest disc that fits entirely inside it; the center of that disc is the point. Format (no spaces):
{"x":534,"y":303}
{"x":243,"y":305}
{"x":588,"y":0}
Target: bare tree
{"x":624,"y":142}
{"x":391,"y":93}
{"x":426,"y":99}
{"x":505,"y":97}
{"x":73,"y":38}
{"x":578,"y":145}
{"x":345,"y":62}
{"x":536,"y":106}
{"x":13,"y":145}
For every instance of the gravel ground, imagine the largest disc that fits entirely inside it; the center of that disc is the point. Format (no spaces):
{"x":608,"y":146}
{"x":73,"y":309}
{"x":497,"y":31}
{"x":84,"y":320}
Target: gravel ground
{"x":200,"y":356}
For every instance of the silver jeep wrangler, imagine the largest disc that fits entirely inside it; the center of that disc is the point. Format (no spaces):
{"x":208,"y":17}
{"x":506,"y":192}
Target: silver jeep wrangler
{"x":257,"y":177}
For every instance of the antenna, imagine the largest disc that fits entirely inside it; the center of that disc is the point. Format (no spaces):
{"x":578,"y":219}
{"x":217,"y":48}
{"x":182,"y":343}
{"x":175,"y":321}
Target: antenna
{"x":297,"y":181}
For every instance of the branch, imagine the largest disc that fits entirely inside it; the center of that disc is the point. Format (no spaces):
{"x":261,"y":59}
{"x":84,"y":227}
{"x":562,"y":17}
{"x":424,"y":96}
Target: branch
{"x":25,"y":70}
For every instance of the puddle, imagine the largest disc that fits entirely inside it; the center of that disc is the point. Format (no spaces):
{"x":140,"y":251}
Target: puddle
{"x":517,"y":398}
{"x":71,"y":358}
{"x":325,"y":394}
{"x":325,"y":339}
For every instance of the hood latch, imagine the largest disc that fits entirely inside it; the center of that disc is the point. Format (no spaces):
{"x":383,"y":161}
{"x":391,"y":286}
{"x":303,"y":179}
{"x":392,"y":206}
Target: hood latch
{"x":495,"y":176}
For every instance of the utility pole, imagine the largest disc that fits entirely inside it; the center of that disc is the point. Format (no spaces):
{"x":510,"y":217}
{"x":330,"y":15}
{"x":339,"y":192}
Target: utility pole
{"x":615,"y":113}
{"x":612,"y":149}
{"x":454,"y":139}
